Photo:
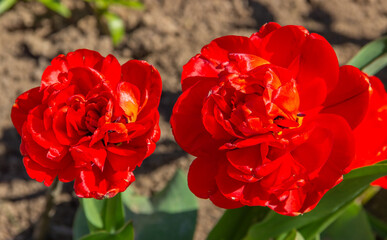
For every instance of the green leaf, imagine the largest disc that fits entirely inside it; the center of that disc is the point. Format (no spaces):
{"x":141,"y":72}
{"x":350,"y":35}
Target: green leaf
{"x":80,"y":225}
{"x":294,"y":235}
{"x":125,"y":233}
{"x":113,"y":214}
{"x":170,"y":214}
{"x":93,"y":209}
{"x":129,"y":4}
{"x":376,"y":65}
{"x":340,"y":196}
{"x":378,"y":226}
{"x":6,"y":4}
{"x":235,"y":223}
{"x":57,"y":7}
{"x":98,"y":236}
{"x":175,"y":197}
{"x":137,"y":203}
{"x":81,"y":230}
{"x":372,"y":57}
{"x":314,"y":229}
{"x":352,"y":224}
{"x":116,"y":27}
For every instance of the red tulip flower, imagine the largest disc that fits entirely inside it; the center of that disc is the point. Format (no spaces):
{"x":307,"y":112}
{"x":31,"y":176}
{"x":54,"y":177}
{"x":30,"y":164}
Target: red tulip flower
{"x":371,"y":134}
{"x":270,"y":119}
{"x":91,"y":120}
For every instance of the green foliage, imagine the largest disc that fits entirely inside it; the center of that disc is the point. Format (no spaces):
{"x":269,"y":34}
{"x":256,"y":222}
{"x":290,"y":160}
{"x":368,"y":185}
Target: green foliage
{"x":372,"y":57}
{"x":54,"y":5}
{"x":235,"y":223}
{"x":294,"y":235}
{"x":80,"y":224}
{"x":170,"y":214}
{"x":124,"y":233}
{"x":114,"y":23}
{"x":116,"y":27}
{"x":113,"y":214}
{"x":105,"y":4}
{"x":101,"y":219}
{"x":378,"y":226}
{"x":93,"y":209}
{"x":335,"y":200}
{"x":57,"y":7}
{"x":352,"y":224}
{"x":6,"y":4}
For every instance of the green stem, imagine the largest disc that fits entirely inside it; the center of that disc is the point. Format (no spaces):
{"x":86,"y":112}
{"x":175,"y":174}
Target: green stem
{"x":41,"y":228}
{"x":113,"y":214}
{"x":368,"y":194}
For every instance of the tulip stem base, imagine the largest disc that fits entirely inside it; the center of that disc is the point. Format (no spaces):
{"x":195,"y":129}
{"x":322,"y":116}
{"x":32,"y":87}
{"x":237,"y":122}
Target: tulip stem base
{"x":43,"y":224}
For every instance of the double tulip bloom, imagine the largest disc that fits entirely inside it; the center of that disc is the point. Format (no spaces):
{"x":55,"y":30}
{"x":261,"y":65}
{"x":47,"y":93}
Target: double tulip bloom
{"x":274,"y":118}
{"x":91,"y":120}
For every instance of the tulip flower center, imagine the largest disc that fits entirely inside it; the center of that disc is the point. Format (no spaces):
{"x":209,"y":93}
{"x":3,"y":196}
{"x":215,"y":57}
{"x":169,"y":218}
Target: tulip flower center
{"x":251,"y":100}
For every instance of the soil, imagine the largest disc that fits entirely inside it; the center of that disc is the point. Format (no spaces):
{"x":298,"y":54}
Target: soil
{"x":167,"y":33}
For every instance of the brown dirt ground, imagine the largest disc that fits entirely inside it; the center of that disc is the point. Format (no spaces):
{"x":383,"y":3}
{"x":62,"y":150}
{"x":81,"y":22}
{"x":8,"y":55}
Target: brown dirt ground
{"x":166,"y":34}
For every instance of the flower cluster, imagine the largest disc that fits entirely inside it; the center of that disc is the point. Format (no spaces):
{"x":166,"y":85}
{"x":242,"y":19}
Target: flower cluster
{"x":274,"y":118}
{"x":91,"y":120}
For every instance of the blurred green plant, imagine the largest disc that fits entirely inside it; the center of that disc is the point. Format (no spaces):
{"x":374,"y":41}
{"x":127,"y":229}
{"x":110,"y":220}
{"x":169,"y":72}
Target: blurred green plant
{"x":112,"y":22}
{"x":168,"y":214}
{"x":54,"y":5}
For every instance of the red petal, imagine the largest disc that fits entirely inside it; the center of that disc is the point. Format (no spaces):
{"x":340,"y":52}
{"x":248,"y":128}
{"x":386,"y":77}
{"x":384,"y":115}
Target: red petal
{"x":68,"y":173}
{"x":217,"y":51}
{"x":381,"y":182}
{"x":242,"y":143}
{"x":214,"y":124}
{"x":148,"y":81}
{"x":51,"y":73}
{"x":59,"y":127}
{"x":187,"y":116}
{"x":39,"y":154}
{"x":110,"y":68}
{"x":39,"y":133}
{"x":294,"y":203}
{"x":85,"y":78}
{"x":221,"y":201}
{"x":318,"y":69}
{"x":83,"y":154}
{"x":342,"y":153}
{"x":39,"y":173}
{"x":83,"y":58}
{"x":371,"y":142}
{"x":201,"y":176}
{"x":246,"y":159}
{"x":282,"y":46}
{"x":96,"y":184}
{"x":229,"y":187}
{"x":241,"y":176}
{"x":350,"y":97}
{"x":314,"y":153}
{"x":265,"y":30}
{"x":23,"y":105}
{"x":197,"y":67}
{"x":254,"y":195}
{"x":125,"y":157}
{"x":128,"y":99}
{"x":247,"y":62}
{"x":279,"y":173}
